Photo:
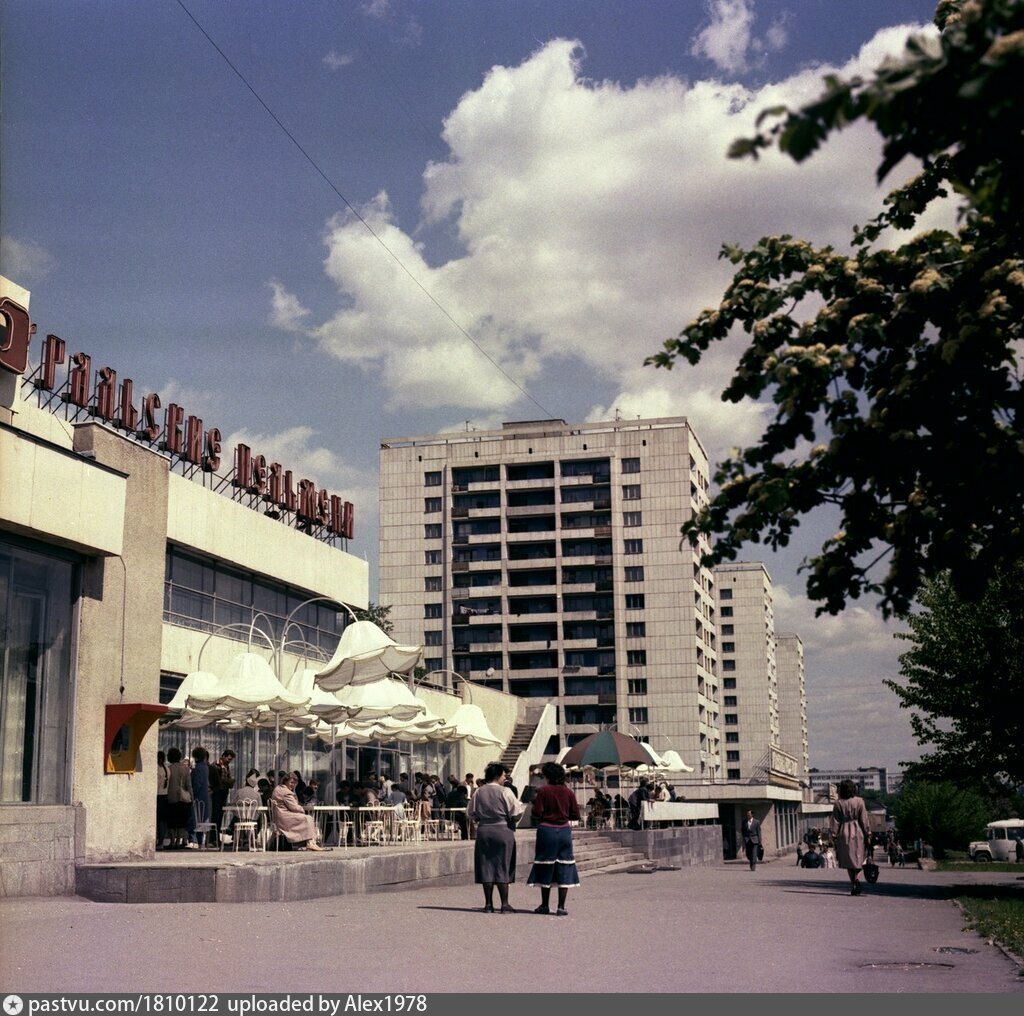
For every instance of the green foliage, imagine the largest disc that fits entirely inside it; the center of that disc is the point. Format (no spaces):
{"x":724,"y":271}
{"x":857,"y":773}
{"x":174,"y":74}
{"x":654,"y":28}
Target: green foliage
{"x":1000,"y":917}
{"x":379,"y":615}
{"x":941,"y":814}
{"x":897,"y":401}
{"x":964,"y":682}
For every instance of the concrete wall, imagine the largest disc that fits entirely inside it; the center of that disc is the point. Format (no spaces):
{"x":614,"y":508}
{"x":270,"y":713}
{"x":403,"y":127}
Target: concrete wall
{"x":683,"y":845}
{"x":38,"y":846}
{"x":120,"y":635}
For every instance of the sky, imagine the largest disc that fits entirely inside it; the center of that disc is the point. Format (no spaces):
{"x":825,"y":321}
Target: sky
{"x":320,"y":225}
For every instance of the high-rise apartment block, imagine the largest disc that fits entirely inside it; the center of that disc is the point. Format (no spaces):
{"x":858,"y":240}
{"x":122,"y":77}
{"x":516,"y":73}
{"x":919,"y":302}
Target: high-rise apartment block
{"x":546,"y":559}
{"x":750,"y":691}
{"x":789,"y":669}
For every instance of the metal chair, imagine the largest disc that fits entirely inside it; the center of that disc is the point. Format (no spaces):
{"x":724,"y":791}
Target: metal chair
{"x":247,"y":826}
{"x":204,"y":826}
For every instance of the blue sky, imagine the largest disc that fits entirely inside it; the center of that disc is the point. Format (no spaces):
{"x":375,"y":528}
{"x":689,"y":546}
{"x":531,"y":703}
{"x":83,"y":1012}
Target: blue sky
{"x":551,"y":173}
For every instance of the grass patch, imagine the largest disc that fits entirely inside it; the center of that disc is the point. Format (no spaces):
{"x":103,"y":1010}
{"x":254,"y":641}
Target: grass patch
{"x":999,"y":919}
{"x":1002,"y":867}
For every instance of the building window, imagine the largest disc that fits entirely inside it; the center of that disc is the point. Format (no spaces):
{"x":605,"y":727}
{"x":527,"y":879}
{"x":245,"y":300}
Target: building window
{"x":632,"y":519}
{"x":631,"y":465}
{"x":732,"y":756}
{"x":432,"y":479}
{"x":431,"y":505}
{"x":631,"y":492}
{"x":635,"y":573}
{"x":634,"y":601}
{"x":732,"y":774}
{"x":728,"y":647}
{"x":635,"y":629}
{"x":638,"y":714}
{"x":636,"y":657}
{"x":432,"y":584}
{"x":633,"y":547}
{"x":727,"y":612}
{"x":730,"y":700}
{"x":727,"y":629}
{"x":730,"y":720}
{"x":728,"y":664}
{"x":729,"y":682}
{"x":636,"y":686}
{"x":725,"y":594}
{"x":433,"y":610}
{"x":432,"y":531}
{"x":433,"y":663}
{"x":37,"y":593}
{"x":432,"y":638}
{"x":732,"y":737}
{"x":432,"y":557}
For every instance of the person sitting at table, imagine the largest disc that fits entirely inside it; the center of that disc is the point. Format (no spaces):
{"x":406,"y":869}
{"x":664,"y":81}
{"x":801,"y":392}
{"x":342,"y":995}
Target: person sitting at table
{"x":309,"y":796}
{"x":458,"y":798}
{"x":265,"y":789}
{"x":289,"y":818}
{"x":396,"y":799}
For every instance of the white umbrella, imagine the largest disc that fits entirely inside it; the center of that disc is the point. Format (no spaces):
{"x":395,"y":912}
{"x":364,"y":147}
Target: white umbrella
{"x":323,"y":705}
{"x":674,"y":764}
{"x":383,"y":697}
{"x":248,"y":683}
{"x":366,"y":654}
{"x":200,"y":682}
{"x":469,"y":724}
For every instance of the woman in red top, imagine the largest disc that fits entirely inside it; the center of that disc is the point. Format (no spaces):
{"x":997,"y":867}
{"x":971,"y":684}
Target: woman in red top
{"x":554,"y":808}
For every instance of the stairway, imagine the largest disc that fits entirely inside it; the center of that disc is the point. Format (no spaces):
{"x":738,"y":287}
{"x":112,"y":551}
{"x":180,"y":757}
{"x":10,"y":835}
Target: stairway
{"x":597,"y":854}
{"x":517,"y":744}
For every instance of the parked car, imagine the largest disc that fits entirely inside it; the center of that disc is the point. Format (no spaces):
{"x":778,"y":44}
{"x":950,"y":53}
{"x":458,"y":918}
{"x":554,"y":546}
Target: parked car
{"x":1000,"y":842}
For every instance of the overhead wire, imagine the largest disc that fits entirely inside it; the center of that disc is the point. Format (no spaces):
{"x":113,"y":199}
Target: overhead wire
{"x":356,"y":213}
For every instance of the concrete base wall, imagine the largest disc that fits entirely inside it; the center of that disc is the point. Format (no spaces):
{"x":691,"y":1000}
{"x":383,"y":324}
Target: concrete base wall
{"x":682,"y":845}
{"x":38,"y":845}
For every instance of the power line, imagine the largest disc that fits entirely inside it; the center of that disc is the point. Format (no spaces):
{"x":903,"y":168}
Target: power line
{"x":348,"y":204}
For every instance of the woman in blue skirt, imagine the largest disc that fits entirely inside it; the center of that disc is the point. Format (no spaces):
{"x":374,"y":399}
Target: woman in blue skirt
{"x":554,"y":808}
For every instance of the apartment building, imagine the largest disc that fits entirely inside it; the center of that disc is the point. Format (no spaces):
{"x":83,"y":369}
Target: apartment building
{"x":875,"y":778}
{"x":750,"y":688}
{"x":545,"y":559}
{"x":789,"y":670}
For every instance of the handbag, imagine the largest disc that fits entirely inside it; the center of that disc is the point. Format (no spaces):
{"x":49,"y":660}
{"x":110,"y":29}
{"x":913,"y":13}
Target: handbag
{"x":760,"y":852}
{"x":871,"y":872}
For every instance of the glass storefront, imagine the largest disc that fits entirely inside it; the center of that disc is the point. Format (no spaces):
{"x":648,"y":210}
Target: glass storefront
{"x":37,"y":595}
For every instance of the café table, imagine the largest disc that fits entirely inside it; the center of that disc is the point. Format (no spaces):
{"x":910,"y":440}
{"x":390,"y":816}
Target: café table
{"x":333,"y":821}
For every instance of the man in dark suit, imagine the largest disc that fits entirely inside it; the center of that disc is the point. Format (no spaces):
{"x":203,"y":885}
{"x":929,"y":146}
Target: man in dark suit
{"x":751,"y":830}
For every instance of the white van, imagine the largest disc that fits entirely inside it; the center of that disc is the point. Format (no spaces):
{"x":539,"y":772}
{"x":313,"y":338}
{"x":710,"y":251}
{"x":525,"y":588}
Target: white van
{"x":1000,"y":842}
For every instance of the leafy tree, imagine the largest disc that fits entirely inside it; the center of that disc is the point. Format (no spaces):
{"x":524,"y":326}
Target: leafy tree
{"x":943,"y":815}
{"x":897,"y":395}
{"x":379,"y":615}
{"x":964,"y":681}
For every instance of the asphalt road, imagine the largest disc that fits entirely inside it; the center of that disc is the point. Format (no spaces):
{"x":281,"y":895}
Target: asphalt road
{"x":695,"y":930}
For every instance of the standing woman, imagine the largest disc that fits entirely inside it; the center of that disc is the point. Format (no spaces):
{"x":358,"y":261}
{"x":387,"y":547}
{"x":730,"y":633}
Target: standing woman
{"x":851,"y":832}
{"x":179,"y":799}
{"x":554,"y":807}
{"x":495,"y":811}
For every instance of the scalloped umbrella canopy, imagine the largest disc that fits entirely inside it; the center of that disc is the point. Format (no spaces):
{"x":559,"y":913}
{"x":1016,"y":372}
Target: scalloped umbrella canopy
{"x":674,"y":764}
{"x":323,"y":704}
{"x":468,"y":723}
{"x":366,"y":654}
{"x":383,"y":697}
{"x":248,"y":683}
{"x":387,"y":730}
{"x":197,"y":682}
{"x":265,"y":719}
{"x":609,"y":748}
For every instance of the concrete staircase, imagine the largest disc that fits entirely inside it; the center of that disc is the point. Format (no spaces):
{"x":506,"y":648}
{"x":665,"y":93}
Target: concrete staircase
{"x":597,"y":854}
{"x":517,"y":744}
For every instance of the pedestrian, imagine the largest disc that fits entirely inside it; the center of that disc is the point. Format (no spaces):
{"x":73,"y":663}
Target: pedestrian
{"x":851,"y":832}
{"x":221,"y":782}
{"x":554,"y":807}
{"x":495,"y":811}
{"x":201,"y":804}
{"x":751,"y":831}
{"x":1018,"y":851}
{"x":179,"y":799}
{"x":162,"y":808}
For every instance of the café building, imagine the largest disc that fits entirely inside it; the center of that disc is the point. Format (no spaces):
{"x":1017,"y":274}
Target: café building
{"x":131,"y":541}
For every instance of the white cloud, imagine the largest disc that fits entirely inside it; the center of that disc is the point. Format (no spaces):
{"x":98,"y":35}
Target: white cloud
{"x":286,"y":312}
{"x":24,"y":261}
{"x":590,"y":216}
{"x":335,"y":61}
{"x":727,"y":36}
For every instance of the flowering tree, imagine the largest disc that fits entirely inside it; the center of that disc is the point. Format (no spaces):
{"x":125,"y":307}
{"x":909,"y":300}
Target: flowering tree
{"x":898,"y":398}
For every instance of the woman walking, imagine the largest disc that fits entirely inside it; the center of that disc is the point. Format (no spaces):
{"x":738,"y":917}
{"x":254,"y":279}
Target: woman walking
{"x":851,"y":833}
{"x":554,"y":808}
{"x":495,"y":811}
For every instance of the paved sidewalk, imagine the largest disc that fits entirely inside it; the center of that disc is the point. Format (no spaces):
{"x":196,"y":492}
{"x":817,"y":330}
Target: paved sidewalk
{"x":720,"y":929}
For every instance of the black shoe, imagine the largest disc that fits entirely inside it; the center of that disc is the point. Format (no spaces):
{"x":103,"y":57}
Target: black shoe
{"x":488,"y":908}
{"x":506,"y":909}
{"x":542,"y":910}
{"x":562,"y":912}
{"x":856,"y":890}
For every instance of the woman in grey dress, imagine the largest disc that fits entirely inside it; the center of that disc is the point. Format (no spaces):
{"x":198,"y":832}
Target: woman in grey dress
{"x":495,"y":811}
{"x":851,"y":832}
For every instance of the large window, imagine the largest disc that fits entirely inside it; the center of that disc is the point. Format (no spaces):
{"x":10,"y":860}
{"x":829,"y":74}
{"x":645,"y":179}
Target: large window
{"x":206,"y":594}
{"x":37,"y":592}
